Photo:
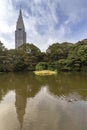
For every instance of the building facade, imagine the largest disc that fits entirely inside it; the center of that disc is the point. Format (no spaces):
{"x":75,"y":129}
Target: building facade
{"x":20,"y":34}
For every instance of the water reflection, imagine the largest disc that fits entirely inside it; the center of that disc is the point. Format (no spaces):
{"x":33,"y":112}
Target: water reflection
{"x":45,"y":112}
{"x":62,"y":84}
{"x":30,"y":102}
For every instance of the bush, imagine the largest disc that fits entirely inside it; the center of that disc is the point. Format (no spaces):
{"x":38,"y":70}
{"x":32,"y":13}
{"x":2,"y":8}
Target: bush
{"x":42,"y":66}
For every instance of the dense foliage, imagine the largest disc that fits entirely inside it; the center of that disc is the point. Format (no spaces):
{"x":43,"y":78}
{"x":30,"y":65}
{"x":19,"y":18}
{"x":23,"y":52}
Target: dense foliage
{"x":61,"y":57}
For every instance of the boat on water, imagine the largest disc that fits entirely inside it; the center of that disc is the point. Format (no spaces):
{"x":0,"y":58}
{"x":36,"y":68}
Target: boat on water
{"x":45,"y":72}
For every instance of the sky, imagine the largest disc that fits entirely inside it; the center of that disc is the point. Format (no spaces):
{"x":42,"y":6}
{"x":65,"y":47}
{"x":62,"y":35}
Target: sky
{"x":46,"y":21}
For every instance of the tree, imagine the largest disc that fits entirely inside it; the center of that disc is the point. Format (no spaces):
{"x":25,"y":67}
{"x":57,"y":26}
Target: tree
{"x":58,"y":51}
{"x":78,"y":54}
{"x":42,"y":66}
{"x":2,"y":48}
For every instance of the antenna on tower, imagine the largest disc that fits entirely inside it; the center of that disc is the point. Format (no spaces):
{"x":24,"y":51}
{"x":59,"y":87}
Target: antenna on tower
{"x":20,"y":7}
{"x":20,"y":4}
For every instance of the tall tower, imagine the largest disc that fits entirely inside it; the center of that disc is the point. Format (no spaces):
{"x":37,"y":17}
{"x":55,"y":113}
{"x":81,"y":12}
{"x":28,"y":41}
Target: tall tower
{"x":20,"y":34}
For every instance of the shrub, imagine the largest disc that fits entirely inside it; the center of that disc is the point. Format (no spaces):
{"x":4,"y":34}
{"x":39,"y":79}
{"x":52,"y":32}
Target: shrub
{"x":42,"y":66}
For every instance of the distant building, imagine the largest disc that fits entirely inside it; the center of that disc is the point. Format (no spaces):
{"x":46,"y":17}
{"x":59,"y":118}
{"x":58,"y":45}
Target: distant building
{"x":20,"y":34}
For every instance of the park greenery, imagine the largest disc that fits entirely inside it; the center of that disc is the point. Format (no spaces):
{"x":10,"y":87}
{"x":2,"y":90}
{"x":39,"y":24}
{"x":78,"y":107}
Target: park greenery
{"x":59,"y":56}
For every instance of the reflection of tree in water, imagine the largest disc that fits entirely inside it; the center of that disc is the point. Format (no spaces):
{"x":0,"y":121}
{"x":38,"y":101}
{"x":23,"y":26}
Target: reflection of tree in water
{"x":66,"y":84}
{"x":62,"y":84}
{"x":45,"y":112}
{"x":41,"y":112}
{"x":25,"y":86}
{"x":28,"y":85}
{"x":6,"y":83}
{"x":14,"y":81}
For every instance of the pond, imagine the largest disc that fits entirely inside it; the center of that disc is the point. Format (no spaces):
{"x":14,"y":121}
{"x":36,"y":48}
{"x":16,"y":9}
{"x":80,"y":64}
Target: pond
{"x":29,"y":102}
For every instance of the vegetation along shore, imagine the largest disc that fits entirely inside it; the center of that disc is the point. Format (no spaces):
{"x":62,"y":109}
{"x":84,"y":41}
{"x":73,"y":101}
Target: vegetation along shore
{"x":61,"y":57}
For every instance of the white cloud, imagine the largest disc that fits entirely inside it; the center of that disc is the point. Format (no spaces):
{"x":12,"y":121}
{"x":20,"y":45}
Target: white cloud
{"x":7,"y":23}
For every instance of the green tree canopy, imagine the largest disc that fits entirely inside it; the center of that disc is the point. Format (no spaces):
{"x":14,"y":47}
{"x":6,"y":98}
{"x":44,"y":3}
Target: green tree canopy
{"x":58,"y":51}
{"x":30,"y":49}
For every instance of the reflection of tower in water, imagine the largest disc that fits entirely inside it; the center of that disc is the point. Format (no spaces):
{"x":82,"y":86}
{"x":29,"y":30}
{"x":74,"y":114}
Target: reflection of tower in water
{"x":20,"y":104}
{"x":28,"y":88}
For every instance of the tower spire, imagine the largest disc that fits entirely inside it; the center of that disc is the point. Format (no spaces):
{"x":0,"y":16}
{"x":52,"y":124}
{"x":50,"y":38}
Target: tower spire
{"x":20,"y":18}
{"x":20,"y":34}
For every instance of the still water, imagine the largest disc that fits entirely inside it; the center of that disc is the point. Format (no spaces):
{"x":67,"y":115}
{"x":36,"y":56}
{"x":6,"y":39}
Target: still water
{"x":29,"y":102}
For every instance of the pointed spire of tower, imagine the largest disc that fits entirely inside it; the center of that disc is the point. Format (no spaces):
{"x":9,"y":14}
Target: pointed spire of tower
{"x":20,"y":11}
{"x":20,"y":23}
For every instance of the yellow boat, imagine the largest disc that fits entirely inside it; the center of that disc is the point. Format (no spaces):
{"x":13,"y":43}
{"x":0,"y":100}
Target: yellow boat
{"x":45,"y":72}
